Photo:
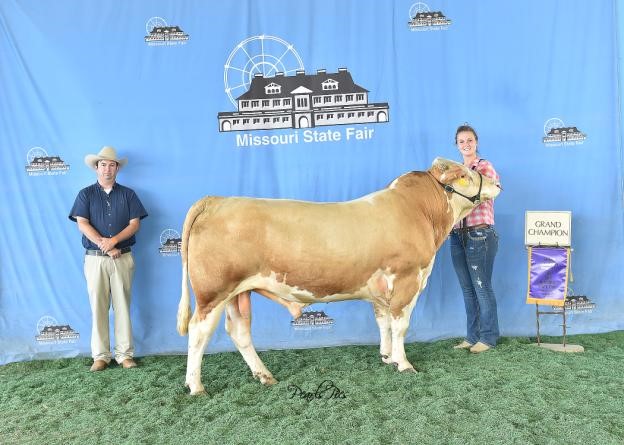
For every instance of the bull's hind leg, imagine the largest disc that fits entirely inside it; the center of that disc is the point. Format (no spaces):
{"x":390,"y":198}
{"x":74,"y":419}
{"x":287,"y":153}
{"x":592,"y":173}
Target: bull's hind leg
{"x":382,"y":315}
{"x":200,"y":332}
{"x":238,"y":325}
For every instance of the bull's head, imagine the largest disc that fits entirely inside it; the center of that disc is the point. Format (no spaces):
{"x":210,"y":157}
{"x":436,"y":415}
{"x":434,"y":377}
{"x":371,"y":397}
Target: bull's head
{"x":468,"y":184}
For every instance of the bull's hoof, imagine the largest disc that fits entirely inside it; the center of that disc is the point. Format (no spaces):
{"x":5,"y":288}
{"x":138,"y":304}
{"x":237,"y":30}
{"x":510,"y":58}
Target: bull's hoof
{"x":265,"y":379}
{"x":404,"y":368}
{"x":386,"y":359}
{"x":196,"y":390}
{"x":201,"y":392}
{"x":408,"y":370}
{"x":268,"y":381}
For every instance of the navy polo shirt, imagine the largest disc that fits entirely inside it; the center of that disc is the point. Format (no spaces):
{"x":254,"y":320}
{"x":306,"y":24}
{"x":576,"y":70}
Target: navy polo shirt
{"x":108,"y":213}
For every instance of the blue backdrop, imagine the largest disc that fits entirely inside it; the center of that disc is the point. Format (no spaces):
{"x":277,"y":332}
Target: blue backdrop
{"x":160,"y":80}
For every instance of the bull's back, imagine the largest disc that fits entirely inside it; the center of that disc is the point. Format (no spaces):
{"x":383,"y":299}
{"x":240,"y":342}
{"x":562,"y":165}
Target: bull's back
{"x":324,"y":245}
{"x":295,"y":228}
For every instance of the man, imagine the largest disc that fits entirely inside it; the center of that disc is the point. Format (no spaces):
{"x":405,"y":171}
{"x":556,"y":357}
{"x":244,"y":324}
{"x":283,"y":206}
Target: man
{"x":108,"y":215}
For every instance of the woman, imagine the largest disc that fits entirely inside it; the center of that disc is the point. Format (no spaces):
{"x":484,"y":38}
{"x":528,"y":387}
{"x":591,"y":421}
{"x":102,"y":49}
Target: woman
{"x":474,"y":243}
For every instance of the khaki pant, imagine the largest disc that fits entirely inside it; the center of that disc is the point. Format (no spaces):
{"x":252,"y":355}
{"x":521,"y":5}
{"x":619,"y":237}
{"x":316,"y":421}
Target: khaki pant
{"x":108,"y":278}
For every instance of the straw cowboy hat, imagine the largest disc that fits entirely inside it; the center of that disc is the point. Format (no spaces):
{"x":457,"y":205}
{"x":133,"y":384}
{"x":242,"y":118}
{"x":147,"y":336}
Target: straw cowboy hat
{"x":106,"y":153}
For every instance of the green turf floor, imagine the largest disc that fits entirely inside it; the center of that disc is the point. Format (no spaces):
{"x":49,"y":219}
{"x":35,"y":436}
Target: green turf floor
{"x":515,"y":394}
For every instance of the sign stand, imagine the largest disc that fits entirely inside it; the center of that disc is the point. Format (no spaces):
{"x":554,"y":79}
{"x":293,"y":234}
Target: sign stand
{"x":573,"y":304}
{"x":563,"y":347}
{"x":546,"y":235}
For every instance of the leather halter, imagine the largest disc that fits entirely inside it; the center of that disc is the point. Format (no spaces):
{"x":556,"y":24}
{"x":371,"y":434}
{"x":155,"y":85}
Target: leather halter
{"x":475,"y":200}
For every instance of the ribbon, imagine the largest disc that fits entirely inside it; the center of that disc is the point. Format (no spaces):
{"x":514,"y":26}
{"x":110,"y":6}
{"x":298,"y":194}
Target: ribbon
{"x":548,"y":275}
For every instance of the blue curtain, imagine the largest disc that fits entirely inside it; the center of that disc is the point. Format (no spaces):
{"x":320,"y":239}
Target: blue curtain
{"x":163,"y":81}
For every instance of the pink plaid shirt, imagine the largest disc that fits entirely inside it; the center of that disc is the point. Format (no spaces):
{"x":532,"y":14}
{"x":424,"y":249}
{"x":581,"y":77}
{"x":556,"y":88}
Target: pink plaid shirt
{"x":483,"y":213}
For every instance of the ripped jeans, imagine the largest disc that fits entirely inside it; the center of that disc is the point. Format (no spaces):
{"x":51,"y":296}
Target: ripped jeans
{"x":473,"y":252}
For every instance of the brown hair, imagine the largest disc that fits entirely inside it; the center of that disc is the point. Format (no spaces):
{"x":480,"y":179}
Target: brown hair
{"x":97,"y":163}
{"x":465,"y":127}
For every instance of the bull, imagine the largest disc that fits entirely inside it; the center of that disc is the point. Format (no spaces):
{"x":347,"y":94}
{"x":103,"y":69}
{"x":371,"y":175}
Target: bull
{"x":379,"y":248}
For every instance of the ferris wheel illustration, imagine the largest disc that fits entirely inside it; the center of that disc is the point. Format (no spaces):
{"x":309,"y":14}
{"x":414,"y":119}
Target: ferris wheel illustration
{"x":416,"y":8}
{"x":44,"y":322}
{"x":553,"y":123}
{"x":168,"y":234}
{"x":35,"y":152}
{"x":154,"y":22}
{"x":262,"y":54}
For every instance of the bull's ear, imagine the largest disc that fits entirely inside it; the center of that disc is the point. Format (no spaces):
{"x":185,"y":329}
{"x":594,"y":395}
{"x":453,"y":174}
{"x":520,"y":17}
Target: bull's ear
{"x":453,"y":172}
{"x":441,"y":164}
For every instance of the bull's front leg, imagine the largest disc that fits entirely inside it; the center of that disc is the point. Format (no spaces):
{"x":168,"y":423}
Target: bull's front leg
{"x":382,"y":316}
{"x":399,"y":327}
{"x":200,"y":332}
{"x":401,"y":312}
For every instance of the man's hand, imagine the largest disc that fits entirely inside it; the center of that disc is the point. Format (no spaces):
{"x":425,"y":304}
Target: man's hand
{"x":107,"y":244}
{"x":114,"y":253}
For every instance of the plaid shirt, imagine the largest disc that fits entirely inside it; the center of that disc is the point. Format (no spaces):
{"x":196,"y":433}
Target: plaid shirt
{"x":484,"y":212}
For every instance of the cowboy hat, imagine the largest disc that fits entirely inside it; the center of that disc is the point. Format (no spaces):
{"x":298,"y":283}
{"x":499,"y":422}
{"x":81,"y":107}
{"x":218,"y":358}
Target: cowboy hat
{"x":106,"y":153}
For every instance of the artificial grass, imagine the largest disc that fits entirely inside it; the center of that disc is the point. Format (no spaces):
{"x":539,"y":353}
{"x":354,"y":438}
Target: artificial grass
{"x":514,"y":394}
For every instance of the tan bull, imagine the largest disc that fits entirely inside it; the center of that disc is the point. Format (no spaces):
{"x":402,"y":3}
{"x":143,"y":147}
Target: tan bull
{"x":378,"y":248}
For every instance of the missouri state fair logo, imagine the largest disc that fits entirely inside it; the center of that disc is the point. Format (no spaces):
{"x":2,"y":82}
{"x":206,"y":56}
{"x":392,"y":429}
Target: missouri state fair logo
{"x":159,"y":33}
{"x":266,"y":81}
{"x":170,"y":243}
{"x":309,"y":320}
{"x":49,"y":331}
{"x":421,"y":18}
{"x":557,"y":134}
{"x":39,"y":163}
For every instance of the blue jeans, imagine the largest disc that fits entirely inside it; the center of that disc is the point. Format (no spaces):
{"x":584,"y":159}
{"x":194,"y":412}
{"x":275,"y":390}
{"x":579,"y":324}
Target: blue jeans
{"x":473,"y":253}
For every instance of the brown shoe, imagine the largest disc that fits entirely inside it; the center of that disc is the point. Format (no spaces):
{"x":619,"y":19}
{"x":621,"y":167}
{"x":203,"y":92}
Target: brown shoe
{"x":463,"y":345}
{"x":128,"y":363}
{"x":479,"y":347}
{"x":98,"y":365}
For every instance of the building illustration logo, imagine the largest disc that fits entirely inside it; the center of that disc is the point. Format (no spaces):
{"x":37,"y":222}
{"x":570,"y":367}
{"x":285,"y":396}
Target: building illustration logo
{"x":49,"y":331}
{"x":170,"y":243}
{"x":40,"y":164}
{"x":160,"y":34}
{"x":422,"y":19}
{"x":312,"y":320}
{"x":556,"y":134}
{"x":265,"y":79}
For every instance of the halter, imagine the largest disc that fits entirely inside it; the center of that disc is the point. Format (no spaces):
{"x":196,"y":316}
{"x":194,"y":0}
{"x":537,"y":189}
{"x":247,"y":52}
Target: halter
{"x":475,"y":200}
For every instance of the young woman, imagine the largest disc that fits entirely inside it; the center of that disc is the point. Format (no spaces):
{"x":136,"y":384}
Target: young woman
{"x":474,"y":243}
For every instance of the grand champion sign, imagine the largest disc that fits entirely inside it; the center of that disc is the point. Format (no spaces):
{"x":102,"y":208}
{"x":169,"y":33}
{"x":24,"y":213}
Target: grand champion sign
{"x":548,"y":228}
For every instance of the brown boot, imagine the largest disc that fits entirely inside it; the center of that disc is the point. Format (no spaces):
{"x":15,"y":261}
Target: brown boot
{"x":98,"y":365}
{"x":128,"y":363}
{"x":479,"y":347}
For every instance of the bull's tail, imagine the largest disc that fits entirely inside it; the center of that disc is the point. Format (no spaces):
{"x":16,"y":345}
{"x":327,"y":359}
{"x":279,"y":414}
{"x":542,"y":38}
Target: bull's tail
{"x":184,"y":307}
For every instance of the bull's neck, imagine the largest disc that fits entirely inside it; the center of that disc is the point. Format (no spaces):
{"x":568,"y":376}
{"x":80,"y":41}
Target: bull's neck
{"x":444,"y":213}
{"x":427,"y":196}
{"x":458,"y":208}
